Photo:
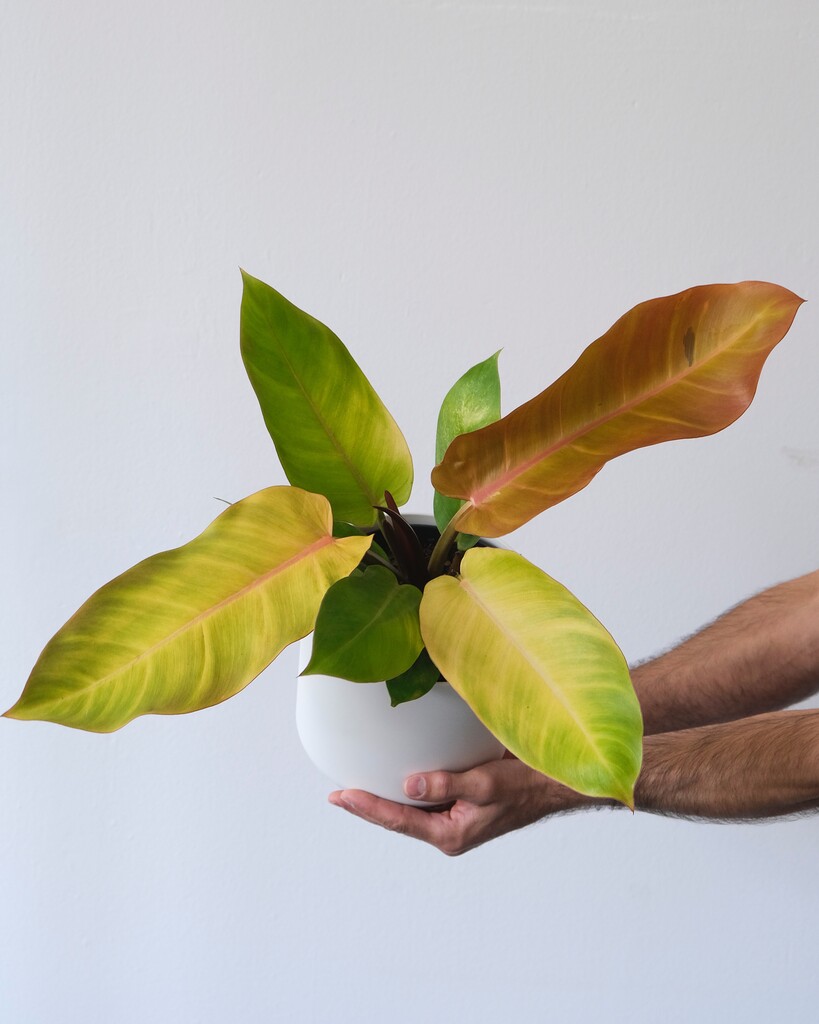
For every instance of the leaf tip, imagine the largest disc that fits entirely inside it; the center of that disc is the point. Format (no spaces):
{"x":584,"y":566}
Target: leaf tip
{"x":623,"y":795}
{"x":791,"y":299}
{"x":16,"y":711}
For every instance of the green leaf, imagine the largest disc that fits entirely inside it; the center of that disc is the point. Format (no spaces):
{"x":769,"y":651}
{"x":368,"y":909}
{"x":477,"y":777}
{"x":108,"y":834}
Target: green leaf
{"x":341,"y":529}
{"x":367,"y":628}
{"x":538,"y":670}
{"x":332,"y":432}
{"x":419,"y":679}
{"x":190,"y":627}
{"x":348,"y":530}
{"x":472,"y":402}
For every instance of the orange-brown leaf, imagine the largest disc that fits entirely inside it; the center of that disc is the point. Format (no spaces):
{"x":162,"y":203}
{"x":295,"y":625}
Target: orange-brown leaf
{"x":684,"y":365}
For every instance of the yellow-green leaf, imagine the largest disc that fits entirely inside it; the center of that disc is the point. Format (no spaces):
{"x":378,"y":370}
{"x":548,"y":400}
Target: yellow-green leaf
{"x":538,"y":670}
{"x":190,"y":627}
{"x":684,"y":365}
{"x":332,"y":433}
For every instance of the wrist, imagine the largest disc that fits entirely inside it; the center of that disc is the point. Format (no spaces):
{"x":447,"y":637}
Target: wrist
{"x":560,"y":799}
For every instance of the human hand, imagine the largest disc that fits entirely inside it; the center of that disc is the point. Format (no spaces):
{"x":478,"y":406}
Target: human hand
{"x":480,"y":804}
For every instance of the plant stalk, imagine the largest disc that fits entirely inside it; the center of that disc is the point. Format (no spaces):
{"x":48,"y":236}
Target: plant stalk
{"x":373,"y":558}
{"x":442,"y":549}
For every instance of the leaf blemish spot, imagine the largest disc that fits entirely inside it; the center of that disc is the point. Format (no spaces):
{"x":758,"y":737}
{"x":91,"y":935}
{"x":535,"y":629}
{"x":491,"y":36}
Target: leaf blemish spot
{"x":688,"y":345}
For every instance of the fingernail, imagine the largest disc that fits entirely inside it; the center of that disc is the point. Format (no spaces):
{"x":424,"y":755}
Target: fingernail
{"x":347,"y":802}
{"x":415,"y":787}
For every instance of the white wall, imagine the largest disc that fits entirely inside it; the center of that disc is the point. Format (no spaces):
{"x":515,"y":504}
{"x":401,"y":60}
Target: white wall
{"x":435,"y":180}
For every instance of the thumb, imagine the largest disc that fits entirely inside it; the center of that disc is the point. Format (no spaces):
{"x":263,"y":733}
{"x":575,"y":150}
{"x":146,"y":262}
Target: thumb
{"x":444,"y":787}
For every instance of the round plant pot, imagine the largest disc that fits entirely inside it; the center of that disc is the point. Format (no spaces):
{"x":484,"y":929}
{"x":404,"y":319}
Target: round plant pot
{"x":352,"y":734}
{"x":356,"y":738}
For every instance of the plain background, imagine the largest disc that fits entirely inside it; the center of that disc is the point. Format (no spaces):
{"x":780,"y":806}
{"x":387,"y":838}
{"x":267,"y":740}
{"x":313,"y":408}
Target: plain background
{"x":435,"y":180}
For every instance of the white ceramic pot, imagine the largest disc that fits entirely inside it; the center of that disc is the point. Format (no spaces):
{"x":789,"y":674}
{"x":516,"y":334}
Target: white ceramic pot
{"x":353,"y":735}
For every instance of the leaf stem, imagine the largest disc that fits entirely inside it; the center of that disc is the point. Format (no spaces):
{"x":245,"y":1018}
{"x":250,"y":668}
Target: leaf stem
{"x":373,"y":558}
{"x":442,"y":549}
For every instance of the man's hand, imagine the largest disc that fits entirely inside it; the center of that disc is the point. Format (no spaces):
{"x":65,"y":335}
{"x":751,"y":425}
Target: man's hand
{"x":709,"y":752}
{"x":478,"y":805}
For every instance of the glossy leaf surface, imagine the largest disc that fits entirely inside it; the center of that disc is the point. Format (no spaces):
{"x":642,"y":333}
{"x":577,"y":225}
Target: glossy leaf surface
{"x":367,"y":628}
{"x":191,"y":627}
{"x":538,"y":670}
{"x":685,"y":365}
{"x":332,"y":433}
{"x":472,"y":402}
{"x":419,"y":679}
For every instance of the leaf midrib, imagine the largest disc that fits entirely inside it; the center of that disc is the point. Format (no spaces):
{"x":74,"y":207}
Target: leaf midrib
{"x":207,"y":613}
{"x":556,"y":692}
{"x":485,"y":492}
{"x":390,"y":600}
{"x":372,"y":499}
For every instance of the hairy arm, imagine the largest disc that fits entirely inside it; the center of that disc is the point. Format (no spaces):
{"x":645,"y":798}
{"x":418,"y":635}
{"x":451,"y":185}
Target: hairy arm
{"x":761,"y":656}
{"x":754,"y":768}
{"x":750,"y":769}
{"x":702,"y":757}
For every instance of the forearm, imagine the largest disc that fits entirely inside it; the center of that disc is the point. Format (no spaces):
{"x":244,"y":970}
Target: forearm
{"x":754,"y":768}
{"x":761,"y":656}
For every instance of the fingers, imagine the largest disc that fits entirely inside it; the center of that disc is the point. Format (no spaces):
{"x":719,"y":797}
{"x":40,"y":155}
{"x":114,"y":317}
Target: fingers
{"x":462,"y":824}
{"x":452,"y":832}
{"x":409,"y":821}
{"x":476,"y":786}
{"x":481,"y":804}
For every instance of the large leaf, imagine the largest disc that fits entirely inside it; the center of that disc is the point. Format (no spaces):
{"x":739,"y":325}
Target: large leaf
{"x":472,"y":402}
{"x":331,"y":430}
{"x":681,"y":366}
{"x":538,"y":670}
{"x":191,"y":627}
{"x":367,"y":628}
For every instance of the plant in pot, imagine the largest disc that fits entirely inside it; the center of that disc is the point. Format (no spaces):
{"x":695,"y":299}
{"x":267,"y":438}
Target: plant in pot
{"x":411,"y":604}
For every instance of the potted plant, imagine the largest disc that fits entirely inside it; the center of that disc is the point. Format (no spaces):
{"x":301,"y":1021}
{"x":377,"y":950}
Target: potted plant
{"x":191,"y":627}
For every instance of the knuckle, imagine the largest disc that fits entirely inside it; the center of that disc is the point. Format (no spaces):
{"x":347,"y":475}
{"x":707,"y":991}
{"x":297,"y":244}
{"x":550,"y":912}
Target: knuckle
{"x":454,"y":845}
{"x":484,"y":788}
{"x":439,"y":786}
{"x":479,"y":786}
